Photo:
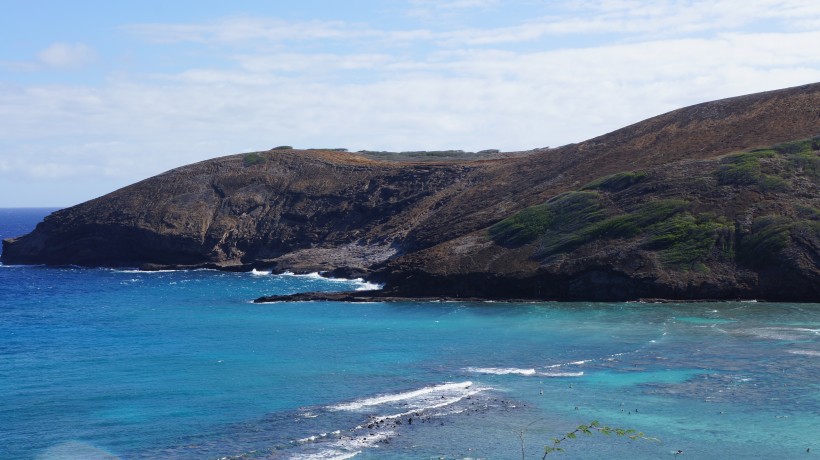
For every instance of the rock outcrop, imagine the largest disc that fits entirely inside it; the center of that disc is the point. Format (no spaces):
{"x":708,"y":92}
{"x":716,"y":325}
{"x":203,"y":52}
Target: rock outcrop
{"x":718,"y":200}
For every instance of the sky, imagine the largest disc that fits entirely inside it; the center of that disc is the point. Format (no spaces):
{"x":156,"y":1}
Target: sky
{"x":96,"y":95}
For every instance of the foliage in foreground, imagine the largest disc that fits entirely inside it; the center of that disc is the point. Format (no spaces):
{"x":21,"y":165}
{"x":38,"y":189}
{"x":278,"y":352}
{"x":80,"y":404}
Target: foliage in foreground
{"x":587,"y":430}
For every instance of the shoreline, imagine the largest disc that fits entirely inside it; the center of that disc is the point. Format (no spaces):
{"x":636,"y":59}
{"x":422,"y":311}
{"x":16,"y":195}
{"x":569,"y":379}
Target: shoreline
{"x":370,"y":296}
{"x":381,"y":295}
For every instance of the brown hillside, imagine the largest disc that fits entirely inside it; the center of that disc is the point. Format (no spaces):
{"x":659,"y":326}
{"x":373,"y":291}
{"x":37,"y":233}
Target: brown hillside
{"x":425,"y":222}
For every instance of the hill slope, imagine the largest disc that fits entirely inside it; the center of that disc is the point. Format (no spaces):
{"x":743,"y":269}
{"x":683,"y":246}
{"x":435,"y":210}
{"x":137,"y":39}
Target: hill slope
{"x":655,"y":209}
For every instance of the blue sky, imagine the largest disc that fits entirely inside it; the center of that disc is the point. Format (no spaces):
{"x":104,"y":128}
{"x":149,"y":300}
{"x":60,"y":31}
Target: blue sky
{"x":95,"y":95}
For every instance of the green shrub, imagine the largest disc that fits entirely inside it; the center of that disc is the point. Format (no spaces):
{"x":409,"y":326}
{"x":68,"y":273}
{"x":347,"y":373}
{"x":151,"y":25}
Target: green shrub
{"x":807,"y":164}
{"x":620,"y":226}
{"x":769,"y":235}
{"x":617,"y":182}
{"x":807,"y":212}
{"x":684,"y":240}
{"x":807,"y":229}
{"x":768,"y":183}
{"x":742,"y":168}
{"x":631,"y":224}
{"x":793,"y":148}
{"x":565,"y":213}
{"x":283,"y":147}
{"x":523,"y":227}
{"x":250,"y":159}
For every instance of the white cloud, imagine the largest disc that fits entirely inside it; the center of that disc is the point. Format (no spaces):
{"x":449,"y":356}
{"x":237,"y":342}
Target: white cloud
{"x":433,"y":8}
{"x":566,"y":18}
{"x":469,"y":99}
{"x":67,"y":55}
{"x":335,"y":84}
{"x":323,"y":62}
{"x":243,"y":29}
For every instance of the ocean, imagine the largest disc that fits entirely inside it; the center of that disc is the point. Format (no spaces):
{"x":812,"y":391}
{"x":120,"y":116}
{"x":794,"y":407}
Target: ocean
{"x":105,"y":364}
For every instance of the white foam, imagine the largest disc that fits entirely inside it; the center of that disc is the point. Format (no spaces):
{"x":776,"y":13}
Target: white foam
{"x":367,"y":286}
{"x":574,"y":363}
{"x":344,"y":444}
{"x":256,"y":272}
{"x":415,"y":399}
{"x":312,"y":276}
{"x":561,"y":374}
{"x":805,"y":352}
{"x":782,"y":333}
{"x":311,"y":438}
{"x":523,"y":372}
{"x":343,"y":448}
{"x":500,"y":370}
{"x":146,"y":272}
{"x":330,"y":454}
{"x":362,"y":284}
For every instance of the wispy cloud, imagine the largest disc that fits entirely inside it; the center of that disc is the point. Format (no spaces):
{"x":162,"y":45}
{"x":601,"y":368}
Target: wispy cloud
{"x":244,"y":29}
{"x":662,"y":19}
{"x":323,"y":83}
{"x":433,"y":8}
{"x":67,"y":55}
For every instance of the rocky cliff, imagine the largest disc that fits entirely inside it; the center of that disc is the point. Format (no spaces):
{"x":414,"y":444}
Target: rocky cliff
{"x":716,"y":200}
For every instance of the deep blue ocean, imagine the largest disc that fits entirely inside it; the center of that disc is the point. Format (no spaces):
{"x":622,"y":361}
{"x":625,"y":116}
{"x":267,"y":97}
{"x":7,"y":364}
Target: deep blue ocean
{"x":103,"y":364}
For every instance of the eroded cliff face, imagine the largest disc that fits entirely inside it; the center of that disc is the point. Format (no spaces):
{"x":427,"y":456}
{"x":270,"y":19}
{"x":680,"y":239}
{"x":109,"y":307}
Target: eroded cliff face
{"x":662,"y":208}
{"x":231,"y":211}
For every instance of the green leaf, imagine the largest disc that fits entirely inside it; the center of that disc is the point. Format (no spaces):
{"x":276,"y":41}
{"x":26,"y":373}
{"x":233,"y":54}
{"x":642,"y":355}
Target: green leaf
{"x":571,"y":435}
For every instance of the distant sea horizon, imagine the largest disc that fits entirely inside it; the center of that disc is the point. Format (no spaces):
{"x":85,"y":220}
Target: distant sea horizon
{"x":114,"y":363}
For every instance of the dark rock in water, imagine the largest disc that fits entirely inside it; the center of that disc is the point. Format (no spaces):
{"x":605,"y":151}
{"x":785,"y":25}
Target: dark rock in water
{"x":718,"y":200}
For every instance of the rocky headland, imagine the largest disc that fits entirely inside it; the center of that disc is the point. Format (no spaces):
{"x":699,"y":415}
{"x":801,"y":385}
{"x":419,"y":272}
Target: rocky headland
{"x":719,"y":200}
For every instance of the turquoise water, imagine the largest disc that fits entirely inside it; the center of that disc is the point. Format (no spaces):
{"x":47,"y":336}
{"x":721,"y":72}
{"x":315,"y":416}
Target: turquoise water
{"x":98,"y":363}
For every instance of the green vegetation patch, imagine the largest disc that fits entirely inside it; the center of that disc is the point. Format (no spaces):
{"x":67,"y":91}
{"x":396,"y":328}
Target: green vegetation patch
{"x":807,"y":229}
{"x":807,"y":212}
{"x":798,"y":147}
{"x":250,"y":159}
{"x":523,"y":227}
{"x":563,"y":214}
{"x":684,"y":240}
{"x":802,"y":157}
{"x":570,"y":220}
{"x":808,"y":164}
{"x":769,"y":183}
{"x":283,"y":147}
{"x":633,"y":223}
{"x":769,"y":236}
{"x":616,"y":182}
{"x":620,"y":226}
{"x":743,"y":168}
